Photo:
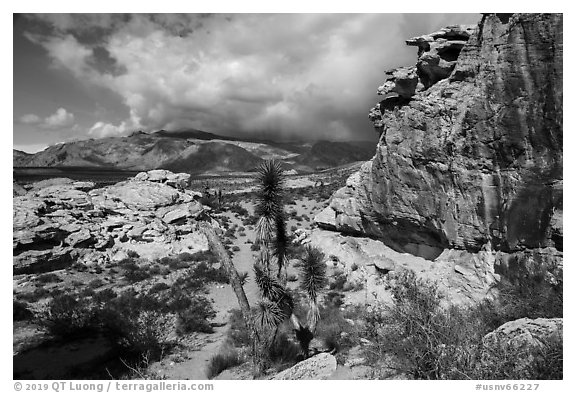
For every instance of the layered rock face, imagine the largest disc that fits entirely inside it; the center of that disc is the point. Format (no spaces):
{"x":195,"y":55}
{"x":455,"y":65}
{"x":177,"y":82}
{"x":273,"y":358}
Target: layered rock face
{"x":60,"y":221}
{"x":470,"y":153}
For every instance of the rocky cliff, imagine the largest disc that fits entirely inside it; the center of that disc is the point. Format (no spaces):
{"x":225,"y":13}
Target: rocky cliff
{"x":470,"y":151}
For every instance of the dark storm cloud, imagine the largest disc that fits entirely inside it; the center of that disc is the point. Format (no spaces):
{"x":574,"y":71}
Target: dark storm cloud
{"x":297,"y":75}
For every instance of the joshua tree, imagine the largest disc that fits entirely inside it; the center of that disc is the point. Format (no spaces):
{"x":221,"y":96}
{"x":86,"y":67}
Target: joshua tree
{"x":276,"y":304}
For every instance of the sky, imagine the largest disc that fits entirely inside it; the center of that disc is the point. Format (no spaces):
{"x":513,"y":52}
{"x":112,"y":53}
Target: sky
{"x":274,"y":76}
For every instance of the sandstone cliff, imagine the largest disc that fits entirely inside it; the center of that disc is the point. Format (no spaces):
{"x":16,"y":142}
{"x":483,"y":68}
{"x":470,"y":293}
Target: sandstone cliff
{"x":470,"y":152}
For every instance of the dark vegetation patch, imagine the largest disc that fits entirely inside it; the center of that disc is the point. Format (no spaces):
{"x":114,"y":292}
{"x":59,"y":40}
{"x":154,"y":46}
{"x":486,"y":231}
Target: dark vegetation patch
{"x":429,"y":341}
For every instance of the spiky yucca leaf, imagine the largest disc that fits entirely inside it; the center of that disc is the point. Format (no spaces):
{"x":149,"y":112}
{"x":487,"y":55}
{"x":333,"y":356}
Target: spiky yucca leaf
{"x":312,"y":272}
{"x":270,"y":178}
{"x":268,"y":314}
{"x":265,"y":229}
{"x":269,"y":286}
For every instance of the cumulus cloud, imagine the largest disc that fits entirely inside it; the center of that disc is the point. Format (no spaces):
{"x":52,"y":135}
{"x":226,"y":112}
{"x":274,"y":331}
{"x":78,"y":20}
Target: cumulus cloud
{"x":30,"y":118}
{"x":60,"y":119}
{"x":56,"y":121}
{"x":294,"y":74}
{"x":101,"y":129}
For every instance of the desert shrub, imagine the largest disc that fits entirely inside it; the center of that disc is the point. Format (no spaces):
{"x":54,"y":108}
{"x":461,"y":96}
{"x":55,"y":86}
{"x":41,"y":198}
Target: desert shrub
{"x":137,"y":324}
{"x":207,"y":273}
{"x":284,"y":353}
{"x":34,"y":296}
{"x":334,"y":299}
{"x":250,"y":220}
{"x":430,"y":341}
{"x":155,"y":270}
{"x":531,"y":297}
{"x":48,"y":278}
{"x":238,"y":333}
{"x":236,"y":208}
{"x":67,"y":316}
{"x":173,"y":263}
{"x":226,"y":358}
{"x":296,"y":251}
{"x":331,"y":325}
{"x":20,"y":311}
{"x":338,"y":281}
{"x":158,"y":287}
{"x":132,"y":254}
{"x":355,"y":286}
{"x":230,"y":233}
{"x":195,"y":317}
{"x":235,"y":248}
{"x":86,"y":292}
{"x":96,"y":283}
{"x":97,"y":269}
{"x":255,"y":247}
{"x":104,"y":295}
{"x":135,"y":274}
{"x":211,"y":201}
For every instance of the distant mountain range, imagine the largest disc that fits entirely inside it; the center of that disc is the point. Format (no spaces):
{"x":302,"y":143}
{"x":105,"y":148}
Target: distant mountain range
{"x":194,"y":151}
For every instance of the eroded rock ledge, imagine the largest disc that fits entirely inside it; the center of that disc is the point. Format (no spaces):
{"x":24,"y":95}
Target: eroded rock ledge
{"x":60,"y":221}
{"x":470,"y":152}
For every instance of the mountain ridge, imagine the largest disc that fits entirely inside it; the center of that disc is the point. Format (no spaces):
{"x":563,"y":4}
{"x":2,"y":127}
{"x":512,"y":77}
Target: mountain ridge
{"x":194,"y":151}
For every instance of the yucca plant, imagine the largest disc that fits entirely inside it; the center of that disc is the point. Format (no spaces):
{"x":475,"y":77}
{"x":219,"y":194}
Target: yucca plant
{"x":312,"y":282}
{"x":271,"y":224}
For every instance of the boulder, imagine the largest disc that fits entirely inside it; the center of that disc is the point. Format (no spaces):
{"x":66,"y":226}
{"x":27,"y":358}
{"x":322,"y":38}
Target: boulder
{"x":175,"y":180}
{"x":178,"y":180}
{"x":177,"y":214}
{"x":39,"y":261}
{"x":144,"y":195}
{"x":81,"y":238}
{"x":526,"y":339}
{"x":320,"y":366}
{"x":26,"y":212}
{"x":524,"y":332}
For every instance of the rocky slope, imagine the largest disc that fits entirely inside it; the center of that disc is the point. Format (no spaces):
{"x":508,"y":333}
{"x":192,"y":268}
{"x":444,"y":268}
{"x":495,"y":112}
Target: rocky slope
{"x":59,"y":221}
{"x":470,"y":151}
{"x":193,"y":152}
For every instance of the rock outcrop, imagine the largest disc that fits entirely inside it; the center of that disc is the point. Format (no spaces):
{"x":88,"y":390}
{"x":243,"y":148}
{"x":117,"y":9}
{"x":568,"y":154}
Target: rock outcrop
{"x":470,"y":152}
{"x":524,"y":332}
{"x":320,"y":366}
{"x":462,"y":277}
{"x":60,"y":221}
{"x":528,"y":339}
